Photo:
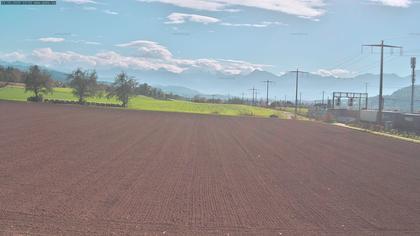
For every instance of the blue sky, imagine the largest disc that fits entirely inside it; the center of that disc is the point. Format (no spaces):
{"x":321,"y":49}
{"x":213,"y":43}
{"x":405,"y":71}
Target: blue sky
{"x":223,"y":36}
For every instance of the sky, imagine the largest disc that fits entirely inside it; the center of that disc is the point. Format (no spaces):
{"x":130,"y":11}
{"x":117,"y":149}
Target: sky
{"x":223,"y":36}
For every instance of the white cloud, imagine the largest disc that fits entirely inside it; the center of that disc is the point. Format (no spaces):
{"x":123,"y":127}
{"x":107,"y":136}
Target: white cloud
{"x":154,"y":51}
{"x":51,"y":40}
{"x":114,"y":59}
{"x":268,"y":23}
{"x":244,"y":25}
{"x":395,"y":3}
{"x":47,"y":55}
{"x":12,"y":56}
{"x":302,"y":8}
{"x":70,"y":59}
{"x":110,"y":12}
{"x":223,"y":66}
{"x":259,"y":25}
{"x":148,"y":49}
{"x":208,"y":5}
{"x":91,"y":42}
{"x":80,"y":1}
{"x":235,"y":67}
{"x":337,"y":73}
{"x":85,"y":42}
{"x":153,"y":56}
{"x":180,"y":18}
{"x":89,"y":8}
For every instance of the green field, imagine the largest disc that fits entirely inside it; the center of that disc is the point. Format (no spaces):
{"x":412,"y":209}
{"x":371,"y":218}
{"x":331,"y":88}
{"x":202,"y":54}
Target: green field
{"x":301,"y":110}
{"x":145,"y":103}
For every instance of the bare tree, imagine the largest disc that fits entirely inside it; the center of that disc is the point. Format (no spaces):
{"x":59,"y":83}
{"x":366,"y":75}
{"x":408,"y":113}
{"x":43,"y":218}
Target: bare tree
{"x":38,"y":81}
{"x":83,"y":83}
{"x":123,"y":88}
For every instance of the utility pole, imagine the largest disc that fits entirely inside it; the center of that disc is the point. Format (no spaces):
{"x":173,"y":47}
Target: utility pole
{"x":297,"y":87}
{"x":256,"y":96}
{"x":328,"y":102}
{"x":254,"y":91}
{"x":300,"y":99}
{"x":381,"y":81}
{"x":323,"y":94}
{"x":413,"y":81}
{"x":243,"y":95}
{"x":367,"y":95}
{"x":268,"y":82}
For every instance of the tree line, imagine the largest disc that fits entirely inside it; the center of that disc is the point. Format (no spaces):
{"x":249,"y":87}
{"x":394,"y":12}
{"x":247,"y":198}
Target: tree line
{"x":149,"y":91}
{"x":14,"y":75}
{"x":84,"y":84}
{"x":11,"y":74}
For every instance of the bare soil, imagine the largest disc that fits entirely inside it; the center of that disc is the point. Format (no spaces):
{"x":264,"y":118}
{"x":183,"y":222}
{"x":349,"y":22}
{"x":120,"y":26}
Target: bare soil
{"x":69,"y":170}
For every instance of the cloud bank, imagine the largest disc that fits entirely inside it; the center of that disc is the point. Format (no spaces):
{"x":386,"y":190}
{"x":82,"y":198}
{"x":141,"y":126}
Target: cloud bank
{"x":303,"y":8}
{"x":337,"y":73}
{"x":149,"y":56}
{"x":180,"y":18}
{"x":51,"y":40}
{"x":395,"y":3}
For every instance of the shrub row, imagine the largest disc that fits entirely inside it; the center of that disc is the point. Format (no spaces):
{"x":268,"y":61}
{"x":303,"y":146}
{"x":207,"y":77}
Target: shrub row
{"x":56,"y":101}
{"x":35,"y":99}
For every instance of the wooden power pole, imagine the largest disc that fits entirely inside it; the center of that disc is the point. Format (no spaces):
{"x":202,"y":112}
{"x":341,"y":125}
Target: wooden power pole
{"x":297,"y":88}
{"x":268,"y":82}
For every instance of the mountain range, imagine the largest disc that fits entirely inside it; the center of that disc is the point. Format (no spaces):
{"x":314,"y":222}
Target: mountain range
{"x":399,"y":100}
{"x":191,"y":83}
{"x":310,"y":85}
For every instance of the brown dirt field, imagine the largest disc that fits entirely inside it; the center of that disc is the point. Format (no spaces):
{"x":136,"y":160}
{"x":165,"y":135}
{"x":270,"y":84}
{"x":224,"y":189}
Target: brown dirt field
{"x":68,"y":170}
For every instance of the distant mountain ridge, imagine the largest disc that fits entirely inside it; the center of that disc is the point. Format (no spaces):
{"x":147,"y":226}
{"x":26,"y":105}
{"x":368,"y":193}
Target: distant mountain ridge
{"x":311,"y":85}
{"x":191,"y":83}
{"x":400,"y":100}
{"x":181,"y":91}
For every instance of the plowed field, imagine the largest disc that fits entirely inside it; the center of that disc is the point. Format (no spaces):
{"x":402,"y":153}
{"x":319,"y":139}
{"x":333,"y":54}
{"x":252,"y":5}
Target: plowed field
{"x":90,"y":171}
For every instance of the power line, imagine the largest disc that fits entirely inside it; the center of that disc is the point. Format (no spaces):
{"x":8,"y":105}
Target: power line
{"x":351,"y":60}
{"x":365,"y":68}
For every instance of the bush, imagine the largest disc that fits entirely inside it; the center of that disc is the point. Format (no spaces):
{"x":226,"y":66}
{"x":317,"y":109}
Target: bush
{"x":246,"y":113}
{"x":57,"y":101}
{"x":35,"y":99}
{"x":274,"y":116}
